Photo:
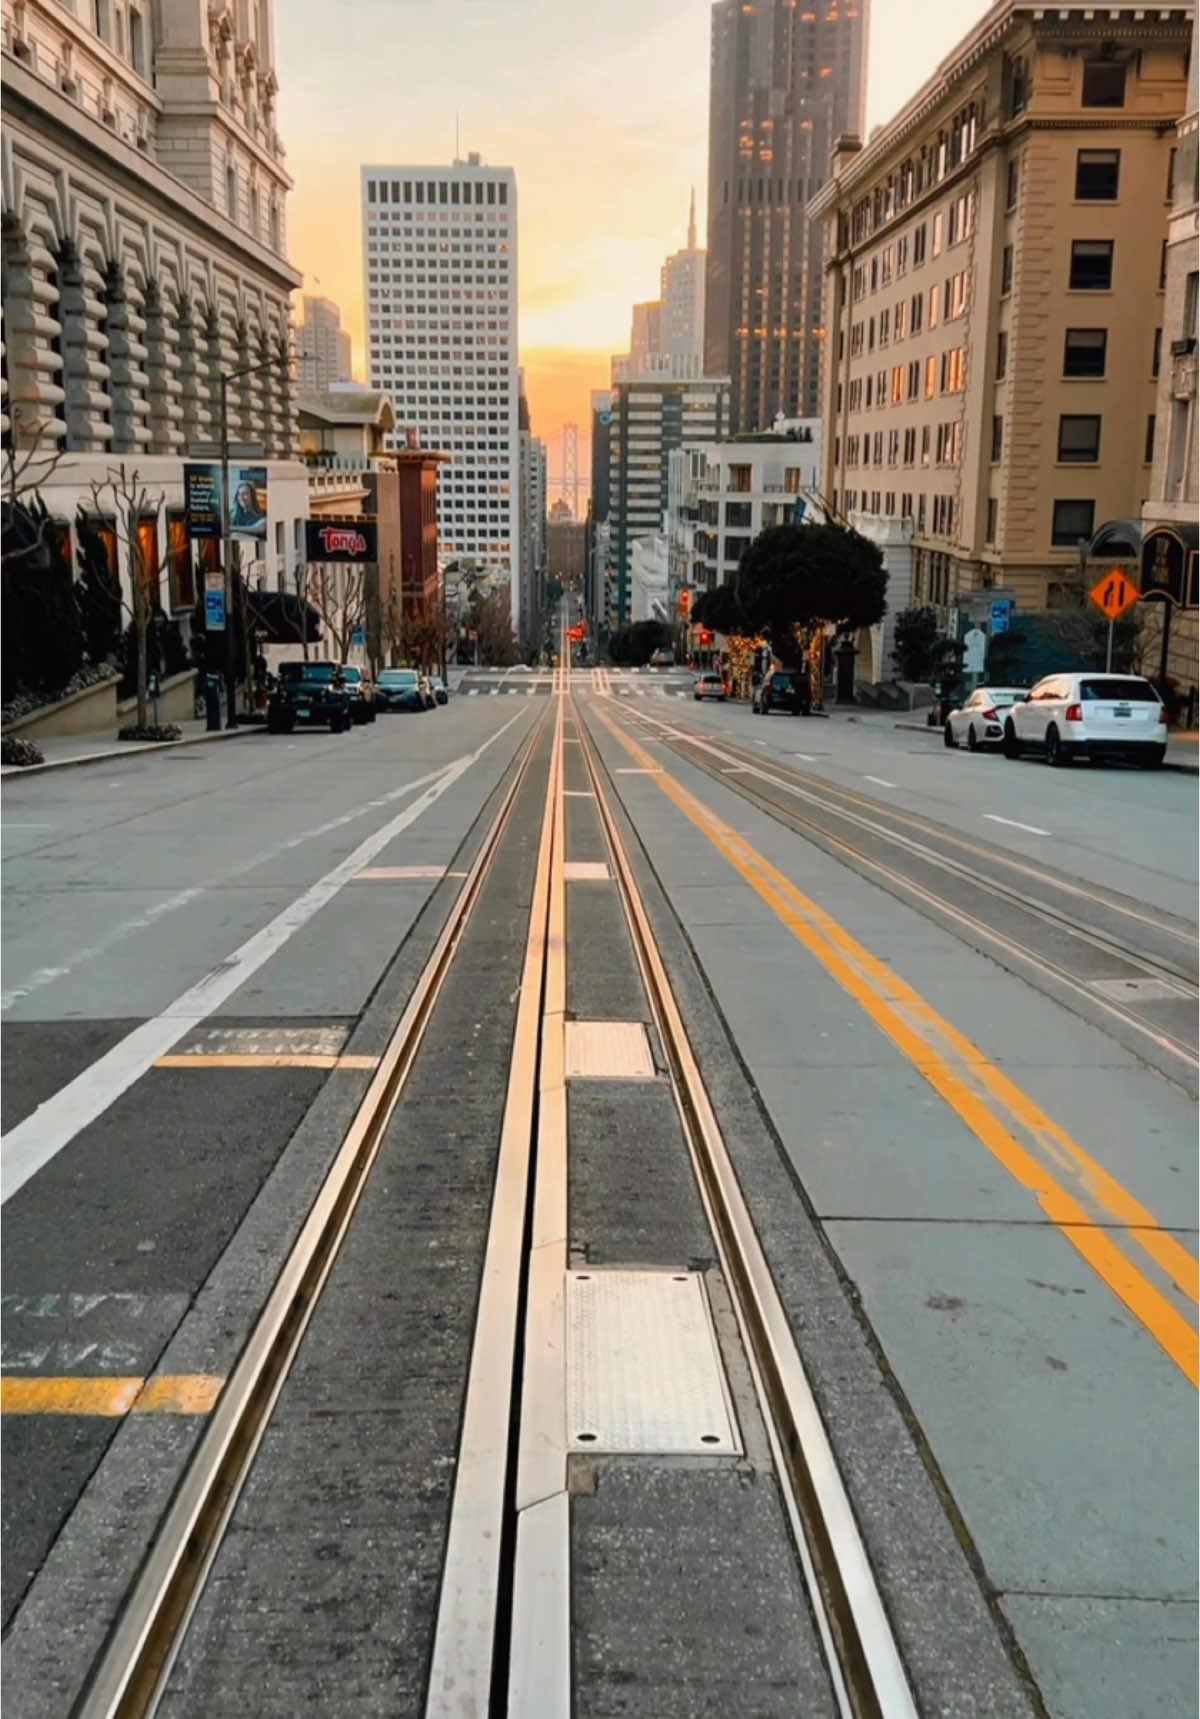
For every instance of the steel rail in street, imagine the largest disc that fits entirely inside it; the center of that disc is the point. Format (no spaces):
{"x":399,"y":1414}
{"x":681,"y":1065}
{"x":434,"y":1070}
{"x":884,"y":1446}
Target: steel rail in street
{"x":817,"y":790}
{"x":863,"y":1656}
{"x":130,"y":1674}
{"x":899,"y":883}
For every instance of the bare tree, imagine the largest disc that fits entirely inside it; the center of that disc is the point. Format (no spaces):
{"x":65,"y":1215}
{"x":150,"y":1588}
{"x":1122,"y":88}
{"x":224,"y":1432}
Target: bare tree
{"x":123,"y":496}
{"x":338,"y":592}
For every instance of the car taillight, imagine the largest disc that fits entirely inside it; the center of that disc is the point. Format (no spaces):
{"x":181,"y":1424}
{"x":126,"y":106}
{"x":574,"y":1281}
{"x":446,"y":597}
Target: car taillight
{"x":1074,"y":713}
{"x":991,"y":716}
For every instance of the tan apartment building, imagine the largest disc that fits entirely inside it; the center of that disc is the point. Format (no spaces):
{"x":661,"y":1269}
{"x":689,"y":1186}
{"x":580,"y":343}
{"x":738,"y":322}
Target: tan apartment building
{"x":994,"y":300}
{"x":1171,"y":535}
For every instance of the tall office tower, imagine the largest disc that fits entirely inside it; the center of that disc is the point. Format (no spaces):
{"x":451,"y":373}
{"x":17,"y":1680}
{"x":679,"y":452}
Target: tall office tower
{"x":785,"y":84}
{"x":681,"y":320}
{"x":323,"y":346}
{"x":440,"y":268}
{"x":533,"y":476}
{"x":649,"y":416}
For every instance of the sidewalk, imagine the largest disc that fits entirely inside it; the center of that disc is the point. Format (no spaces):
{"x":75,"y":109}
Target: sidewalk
{"x":104,"y":748}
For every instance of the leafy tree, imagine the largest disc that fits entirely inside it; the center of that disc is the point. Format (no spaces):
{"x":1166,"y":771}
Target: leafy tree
{"x":494,"y":627}
{"x":633,"y":646}
{"x":917,"y":636}
{"x":721,"y":610}
{"x":43,"y":638}
{"x":794,"y":576}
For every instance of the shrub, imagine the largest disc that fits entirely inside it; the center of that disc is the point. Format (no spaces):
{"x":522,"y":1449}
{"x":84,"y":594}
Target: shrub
{"x":14,"y":751}
{"x":163,"y":731}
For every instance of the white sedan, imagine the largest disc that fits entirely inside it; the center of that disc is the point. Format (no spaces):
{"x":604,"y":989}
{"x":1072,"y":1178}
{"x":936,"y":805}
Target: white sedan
{"x":979,"y":721}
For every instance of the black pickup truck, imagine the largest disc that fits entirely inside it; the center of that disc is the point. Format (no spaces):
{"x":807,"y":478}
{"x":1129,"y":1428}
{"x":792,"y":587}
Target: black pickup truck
{"x":313,"y":693}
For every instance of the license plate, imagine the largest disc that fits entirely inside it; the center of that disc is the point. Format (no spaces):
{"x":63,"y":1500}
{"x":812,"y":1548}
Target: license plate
{"x":1122,"y":710}
{"x":303,"y":710}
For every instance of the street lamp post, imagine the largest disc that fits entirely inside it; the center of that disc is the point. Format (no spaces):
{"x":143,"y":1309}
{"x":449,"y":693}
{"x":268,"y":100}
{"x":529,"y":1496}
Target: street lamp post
{"x":226,"y":377}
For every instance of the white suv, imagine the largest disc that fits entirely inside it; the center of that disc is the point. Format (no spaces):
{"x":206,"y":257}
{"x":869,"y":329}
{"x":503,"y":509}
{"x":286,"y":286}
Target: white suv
{"x":1089,"y":715}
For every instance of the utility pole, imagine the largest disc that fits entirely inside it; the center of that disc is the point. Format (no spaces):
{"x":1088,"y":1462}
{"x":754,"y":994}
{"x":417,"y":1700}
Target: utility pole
{"x":226,"y":377}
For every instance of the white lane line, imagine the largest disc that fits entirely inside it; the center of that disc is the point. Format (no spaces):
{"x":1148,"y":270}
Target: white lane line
{"x":472,"y":692}
{"x":880,"y":781}
{"x":55,"y":1123}
{"x":808,"y":757}
{"x":1015,"y":824}
{"x":140,"y":922}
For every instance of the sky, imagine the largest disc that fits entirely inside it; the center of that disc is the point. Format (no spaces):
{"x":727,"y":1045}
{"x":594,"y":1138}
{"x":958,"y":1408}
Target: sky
{"x":602,"y":110}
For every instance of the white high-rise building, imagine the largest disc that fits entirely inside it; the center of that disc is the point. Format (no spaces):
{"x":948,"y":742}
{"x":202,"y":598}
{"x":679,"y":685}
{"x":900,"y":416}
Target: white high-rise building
{"x":681,"y":321}
{"x":440,"y":273}
{"x":323,"y":346}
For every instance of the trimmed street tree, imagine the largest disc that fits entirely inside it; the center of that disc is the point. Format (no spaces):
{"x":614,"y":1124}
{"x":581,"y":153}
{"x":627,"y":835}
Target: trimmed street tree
{"x":795,"y":576}
{"x":123,"y":498}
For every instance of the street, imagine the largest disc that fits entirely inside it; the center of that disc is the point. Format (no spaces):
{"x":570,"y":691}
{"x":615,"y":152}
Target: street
{"x":944,"y":1007}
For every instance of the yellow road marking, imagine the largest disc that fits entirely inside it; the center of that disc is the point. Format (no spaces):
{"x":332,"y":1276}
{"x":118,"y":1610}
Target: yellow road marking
{"x":218,"y":1059}
{"x":167,"y":1394}
{"x":926,"y":1038}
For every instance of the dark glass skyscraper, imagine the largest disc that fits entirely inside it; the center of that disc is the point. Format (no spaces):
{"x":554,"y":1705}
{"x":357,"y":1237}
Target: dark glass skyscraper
{"x":787,"y":77}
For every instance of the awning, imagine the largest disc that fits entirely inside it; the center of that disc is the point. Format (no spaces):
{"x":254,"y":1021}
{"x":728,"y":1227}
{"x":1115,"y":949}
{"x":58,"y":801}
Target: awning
{"x":282,"y":617}
{"x":1169,"y":562}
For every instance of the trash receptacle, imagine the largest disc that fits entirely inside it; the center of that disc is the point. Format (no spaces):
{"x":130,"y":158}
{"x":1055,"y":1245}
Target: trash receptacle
{"x":212,"y":702}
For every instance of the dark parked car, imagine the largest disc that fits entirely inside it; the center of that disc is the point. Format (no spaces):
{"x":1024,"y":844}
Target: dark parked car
{"x":362,"y":694}
{"x":313,"y":693}
{"x":783,"y":690}
{"x":398,"y":689}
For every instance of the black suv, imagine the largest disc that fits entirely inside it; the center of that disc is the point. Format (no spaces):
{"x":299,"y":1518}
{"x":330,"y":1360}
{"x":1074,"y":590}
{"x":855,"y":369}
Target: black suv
{"x":783,"y":690}
{"x":314,"y":693}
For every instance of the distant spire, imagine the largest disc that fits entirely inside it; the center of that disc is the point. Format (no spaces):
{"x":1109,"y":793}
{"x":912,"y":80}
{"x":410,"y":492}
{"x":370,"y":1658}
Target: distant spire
{"x":691,"y":244}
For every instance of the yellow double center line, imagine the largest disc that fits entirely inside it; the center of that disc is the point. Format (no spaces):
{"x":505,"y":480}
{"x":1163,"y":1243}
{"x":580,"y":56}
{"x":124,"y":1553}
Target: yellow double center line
{"x":992,"y":1106}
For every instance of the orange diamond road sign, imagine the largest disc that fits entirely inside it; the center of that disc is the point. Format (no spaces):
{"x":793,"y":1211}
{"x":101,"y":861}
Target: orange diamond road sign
{"x":1114,"y":594}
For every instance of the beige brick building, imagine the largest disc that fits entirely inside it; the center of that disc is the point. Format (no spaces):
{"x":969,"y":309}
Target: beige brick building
{"x":994,"y":299}
{"x":1174,"y":500}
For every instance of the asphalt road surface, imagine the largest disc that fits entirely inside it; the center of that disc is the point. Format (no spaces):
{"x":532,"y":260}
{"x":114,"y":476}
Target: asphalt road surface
{"x":945,"y":1009}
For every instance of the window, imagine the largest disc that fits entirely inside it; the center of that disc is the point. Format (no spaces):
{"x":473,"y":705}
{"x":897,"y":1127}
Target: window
{"x":1079,"y":438}
{"x":179,"y":563}
{"x":1103,"y":83}
{"x":1148,"y":452}
{"x":915,"y":307}
{"x":137,"y":43}
{"x":231,"y":190}
{"x":1156,"y":357}
{"x":1097,"y":172}
{"x":989,"y":532}
{"x":910,"y":450}
{"x":737,"y":513}
{"x":1006,"y":270}
{"x":919,"y":245}
{"x":1091,"y":265}
{"x":997,"y":437}
{"x":930,"y":376}
{"x":1001,"y":356}
{"x":926,"y":440}
{"x":935,"y":304}
{"x":1014,"y":181}
{"x":1073,"y":520}
{"x":1085,"y":352}
{"x":938,"y":221}
{"x":1162,"y":266}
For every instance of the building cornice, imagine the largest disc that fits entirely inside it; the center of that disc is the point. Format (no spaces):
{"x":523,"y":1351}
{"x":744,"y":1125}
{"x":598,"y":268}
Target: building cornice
{"x":29,"y":99}
{"x":1052,"y":22}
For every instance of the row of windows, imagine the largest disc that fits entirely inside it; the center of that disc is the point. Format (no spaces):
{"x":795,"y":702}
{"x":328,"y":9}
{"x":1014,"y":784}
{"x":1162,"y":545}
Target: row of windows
{"x":1085,"y":353}
{"x":949,"y":227}
{"x":941,"y":444}
{"x":450,"y":192}
{"x":1102,"y":85}
{"x":947,"y":301}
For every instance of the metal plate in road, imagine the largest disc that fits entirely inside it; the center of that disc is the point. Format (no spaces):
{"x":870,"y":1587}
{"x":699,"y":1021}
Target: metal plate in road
{"x":644,"y":1374}
{"x":608,"y":1050}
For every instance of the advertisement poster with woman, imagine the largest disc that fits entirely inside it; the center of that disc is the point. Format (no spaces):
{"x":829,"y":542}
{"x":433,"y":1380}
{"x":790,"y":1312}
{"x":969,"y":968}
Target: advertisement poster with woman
{"x":248,"y":501}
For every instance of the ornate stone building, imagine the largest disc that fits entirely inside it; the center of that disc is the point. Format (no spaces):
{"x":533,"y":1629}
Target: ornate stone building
{"x":144,"y":247}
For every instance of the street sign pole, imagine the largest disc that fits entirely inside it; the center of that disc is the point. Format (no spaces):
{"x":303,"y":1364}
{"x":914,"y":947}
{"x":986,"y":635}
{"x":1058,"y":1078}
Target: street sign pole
{"x":1108,"y":652}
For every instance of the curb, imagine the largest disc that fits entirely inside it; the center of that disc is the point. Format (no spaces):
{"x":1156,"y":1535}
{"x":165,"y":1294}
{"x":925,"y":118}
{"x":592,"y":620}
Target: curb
{"x":1168,"y":763}
{"x":129,"y":749}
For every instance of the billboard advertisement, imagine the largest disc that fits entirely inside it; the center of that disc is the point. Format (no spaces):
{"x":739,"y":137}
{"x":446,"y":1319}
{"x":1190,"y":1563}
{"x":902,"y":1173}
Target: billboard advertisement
{"x":248,"y":504}
{"x":341,"y":540}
